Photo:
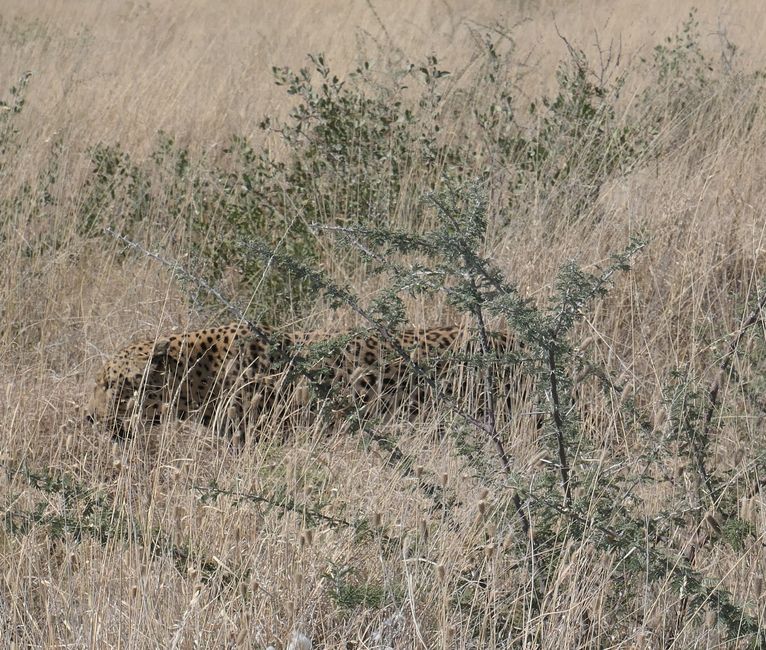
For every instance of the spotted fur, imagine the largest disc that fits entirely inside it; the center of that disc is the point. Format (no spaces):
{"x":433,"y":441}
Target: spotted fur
{"x":228,"y":375}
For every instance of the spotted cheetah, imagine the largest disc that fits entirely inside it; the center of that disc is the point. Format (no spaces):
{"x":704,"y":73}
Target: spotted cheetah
{"x":227,"y":375}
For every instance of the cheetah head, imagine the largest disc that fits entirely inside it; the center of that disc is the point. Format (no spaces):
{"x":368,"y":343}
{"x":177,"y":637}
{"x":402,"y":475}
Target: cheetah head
{"x":127,"y":386}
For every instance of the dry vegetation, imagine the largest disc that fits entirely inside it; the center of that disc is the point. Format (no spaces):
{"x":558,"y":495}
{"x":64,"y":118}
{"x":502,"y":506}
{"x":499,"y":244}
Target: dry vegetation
{"x":172,"y":539}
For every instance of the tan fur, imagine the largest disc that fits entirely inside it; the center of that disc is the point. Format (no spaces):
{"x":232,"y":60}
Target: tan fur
{"x":226,"y":374}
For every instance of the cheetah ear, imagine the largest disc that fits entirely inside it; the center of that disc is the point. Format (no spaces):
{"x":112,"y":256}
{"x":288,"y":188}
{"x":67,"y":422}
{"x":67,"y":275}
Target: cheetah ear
{"x":160,"y":351}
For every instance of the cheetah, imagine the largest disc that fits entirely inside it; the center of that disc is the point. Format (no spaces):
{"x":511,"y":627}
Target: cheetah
{"x":226,"y":375}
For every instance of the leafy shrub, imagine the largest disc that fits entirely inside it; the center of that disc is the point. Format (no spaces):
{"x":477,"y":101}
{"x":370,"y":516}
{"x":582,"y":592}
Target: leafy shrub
{"x":9,"y":132}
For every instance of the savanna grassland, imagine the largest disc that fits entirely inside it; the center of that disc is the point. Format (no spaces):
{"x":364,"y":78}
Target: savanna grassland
{"x":587,"y":175}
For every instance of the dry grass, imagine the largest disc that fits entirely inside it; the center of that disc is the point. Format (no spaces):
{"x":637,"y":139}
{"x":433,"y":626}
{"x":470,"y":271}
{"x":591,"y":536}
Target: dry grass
{"x":228,"y":572}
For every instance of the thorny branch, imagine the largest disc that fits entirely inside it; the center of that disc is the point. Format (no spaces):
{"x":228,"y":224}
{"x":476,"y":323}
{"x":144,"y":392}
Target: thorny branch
{"x":714,"y":391}
{"x":723,"y":367}
{"x":180,"y":271}
{"x":489,"y":426}
{"x":559,"y":424}
{"x":380,"y":328}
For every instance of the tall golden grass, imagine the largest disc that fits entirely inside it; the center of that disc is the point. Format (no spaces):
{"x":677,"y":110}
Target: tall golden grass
{"x":399,"y":572}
